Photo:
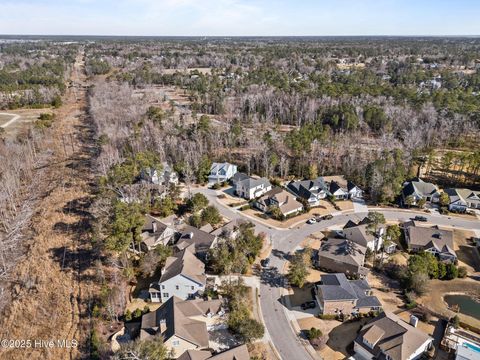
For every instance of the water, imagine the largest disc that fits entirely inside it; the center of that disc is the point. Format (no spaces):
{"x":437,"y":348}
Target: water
{"x":471,"y":346}
{"x":468,"y":306}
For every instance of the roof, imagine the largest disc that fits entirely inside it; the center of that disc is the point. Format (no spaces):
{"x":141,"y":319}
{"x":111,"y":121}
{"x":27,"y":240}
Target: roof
{"x":278,"y":196}
{"x":464,"y":195}
{"x":236,"y":353}
{"x":184,"y":263}
{"x":429,"y":237}
{"x":342,"y":250}
{"x":191,"y":235}
{"x":360,"y":233}
{"x":221,"y":168}
{"x":336,"y":287}
{"x":251,"y":183}
{"x":419,"y":187}
{"x":239,"y":176}
{"x":392,"y":336}
{"x":176,"y":315}
{"x":334,"y":187}
{"x":229,"y":227}
{"x":152,"y":230}
{"x":351,"y":185}
{"x":307,"y":188}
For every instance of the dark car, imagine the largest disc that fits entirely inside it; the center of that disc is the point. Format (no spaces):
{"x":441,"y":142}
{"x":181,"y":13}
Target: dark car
{"x":308,"y":305}
{"x":420,"y":218}
{"x":265,"y":262}
{"x":327,"y":217}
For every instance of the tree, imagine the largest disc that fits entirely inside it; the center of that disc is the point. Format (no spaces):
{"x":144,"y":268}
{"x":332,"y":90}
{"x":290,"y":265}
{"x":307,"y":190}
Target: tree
{"x":299,"y":269}
{"x":203,"y":169}
{"x":409,"y":200}
{"x":462,"y":272}
{"x":151,"y":349}
{"x":165,"y":206}
{"x":149,"y":263}
{"x":126,"y":225}
{"x":314,"y":333}
{"x":444,"y":199}
{"x":275,"y":212}
{"x":313,"y":171}
{"x":452,"y":271}
{"x":249,"y":329}
{"x":197,"y":202}
{"x":394,"y":233}
{"x":204,"y":123}
{"x":211,"y":215}
{"x":421,"y":203}
{"x":418,"y":282}
{"x":456,"y":322}
{"x":375,"y":220}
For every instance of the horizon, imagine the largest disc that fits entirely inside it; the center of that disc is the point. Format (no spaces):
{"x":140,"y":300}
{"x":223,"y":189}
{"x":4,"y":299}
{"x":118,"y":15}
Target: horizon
{"x":240,"y":18}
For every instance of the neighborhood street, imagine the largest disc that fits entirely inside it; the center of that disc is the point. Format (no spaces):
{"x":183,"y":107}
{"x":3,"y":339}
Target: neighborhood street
{"x":286,"y":342}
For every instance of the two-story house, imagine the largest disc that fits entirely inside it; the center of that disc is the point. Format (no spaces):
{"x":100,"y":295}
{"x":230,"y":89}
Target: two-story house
{"x":311,"y":190}
{"x":156,"y":232}
{"x":252,"y":188}
{"x":278,"y":197}
{"x":221,"y":172}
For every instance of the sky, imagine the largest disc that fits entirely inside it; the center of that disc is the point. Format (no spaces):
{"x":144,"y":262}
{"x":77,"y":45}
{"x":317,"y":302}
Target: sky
{"x":240,"y":17}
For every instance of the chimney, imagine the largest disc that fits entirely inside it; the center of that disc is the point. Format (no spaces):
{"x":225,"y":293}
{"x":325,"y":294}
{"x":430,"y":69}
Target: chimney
{"x":154,"y":226}
{"x":163,"y":326}
{"x":413,"y":320}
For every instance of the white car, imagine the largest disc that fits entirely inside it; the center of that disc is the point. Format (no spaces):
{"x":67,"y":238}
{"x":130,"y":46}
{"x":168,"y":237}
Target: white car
{"x":311,"y":221}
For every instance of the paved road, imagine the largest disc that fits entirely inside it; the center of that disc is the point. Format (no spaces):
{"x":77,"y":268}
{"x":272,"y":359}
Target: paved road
{"x":285,"y":340}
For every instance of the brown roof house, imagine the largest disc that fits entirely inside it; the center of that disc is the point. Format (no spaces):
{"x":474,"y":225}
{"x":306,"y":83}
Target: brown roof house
{"x":155,"y":232}
{"x":361,"y":234}
{"x":181,"y":324}
{"x":280,"y":198}
{"x":342,"y":255}
{"x":336,"y":294}
{"x":431,"y":239}
{"x":236,"y":353}
{"x":183,"y":276}
{"x":389,"y":337}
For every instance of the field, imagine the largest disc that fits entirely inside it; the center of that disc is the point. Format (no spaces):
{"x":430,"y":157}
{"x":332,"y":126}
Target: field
{"x":25,"y":120}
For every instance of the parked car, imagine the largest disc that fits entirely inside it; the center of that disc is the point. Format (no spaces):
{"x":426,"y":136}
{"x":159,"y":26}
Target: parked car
{"x":420,"y":218}
{"x":311,"y":221}
{"x":265,"y":262}
{"x":327,"y":217}
{"x":308,"y":305}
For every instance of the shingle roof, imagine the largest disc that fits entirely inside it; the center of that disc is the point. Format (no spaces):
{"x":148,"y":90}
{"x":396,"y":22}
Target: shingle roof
{"x":427,"y":237}
{"x":420,"y":187}
{"x":343,"y":251}
{"x":176,"y":314}
{"x":307,"y":188}
{"x":399,"y":339}
{"x":191,"y":235}
{"x":236,"y":353}
{"x":251,"y":183}
{"x":184,"y":263}
{"x":286,"y":200}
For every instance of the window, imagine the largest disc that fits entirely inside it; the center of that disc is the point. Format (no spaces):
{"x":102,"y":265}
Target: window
{"x":175,"y":342}
{"x":165,"y":295}
{"x":176,"y":287}
{"x":163,"y":287}
{"x":193,"y":287}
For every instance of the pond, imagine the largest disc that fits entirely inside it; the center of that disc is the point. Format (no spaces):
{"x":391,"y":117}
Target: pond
{"x":468,"y":306}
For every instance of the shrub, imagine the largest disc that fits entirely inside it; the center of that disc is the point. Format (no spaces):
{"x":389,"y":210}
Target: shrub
{"x":313,"y":333}
{"x":327,"y":316}
{"x":462,"y":272}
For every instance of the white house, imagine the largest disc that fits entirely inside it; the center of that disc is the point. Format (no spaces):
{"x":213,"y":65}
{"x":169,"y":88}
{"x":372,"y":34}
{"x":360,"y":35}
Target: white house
{"x":338,"y":192}
{"x":166,"y":176}
{"x":354,"y":192}
{"x":183,"y":276}
{"x":252,"y":188}
{"x":221,"y":172}
{"x":462,"y":199}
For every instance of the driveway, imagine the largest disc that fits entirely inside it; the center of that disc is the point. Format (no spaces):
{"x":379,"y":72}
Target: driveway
{"x":277,"y":318}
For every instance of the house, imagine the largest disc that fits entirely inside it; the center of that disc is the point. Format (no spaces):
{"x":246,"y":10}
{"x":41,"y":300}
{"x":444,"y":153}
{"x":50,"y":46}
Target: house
{"x":462,"y":199}
{"x":464,"y":343}
{"x":236,"y":353}
{"x":354,"y":192}
{"x":155,"y":232}
{"x":182,"y":324}
{"x":221,"y":172}
{"x":389,"y":337}
{"x":361,"y":234}
{"x":337,"y":191}
{"x":336,"y":294}
{"x":341,"y":255}
{"x":239,"y":176}
{"x":231,"y":229}
{"x":182,"y":276}
{"x":252,"y":188}
{"x":431,"y":239}
{"x":311,"y":190}
{"x":202,"y":240}
{"x":166,"y":176}
{"x":417,"y":189}
{"x":278,"y":197}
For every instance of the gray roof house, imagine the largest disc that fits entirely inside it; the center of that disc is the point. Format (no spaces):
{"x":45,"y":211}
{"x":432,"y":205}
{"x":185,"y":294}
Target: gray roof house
{"x":431,"y":239}
{"x":462,"y":199}
{"x":239,"y":176}
{"x":389,"y":337}
{"x":361,"y":234}
{"x":231,"y":229}
{"x":221,"y":172}
{"x":202,"y":240}
{"x":236,"y":353}
{"x":181,"y":324}
{"x":280,"y":198}
{"x":252,"y":188}
{"x":166,"y":176}
{"x":310,"y":190}
{"x":418,"y":189}
{"x":155,"y":232}
{"x":336,"y":294}
{"x":341,"y":255}
{"x":182,"y":276}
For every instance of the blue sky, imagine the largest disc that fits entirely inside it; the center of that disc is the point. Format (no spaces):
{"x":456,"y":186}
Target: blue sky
{"x":240,"y":17}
